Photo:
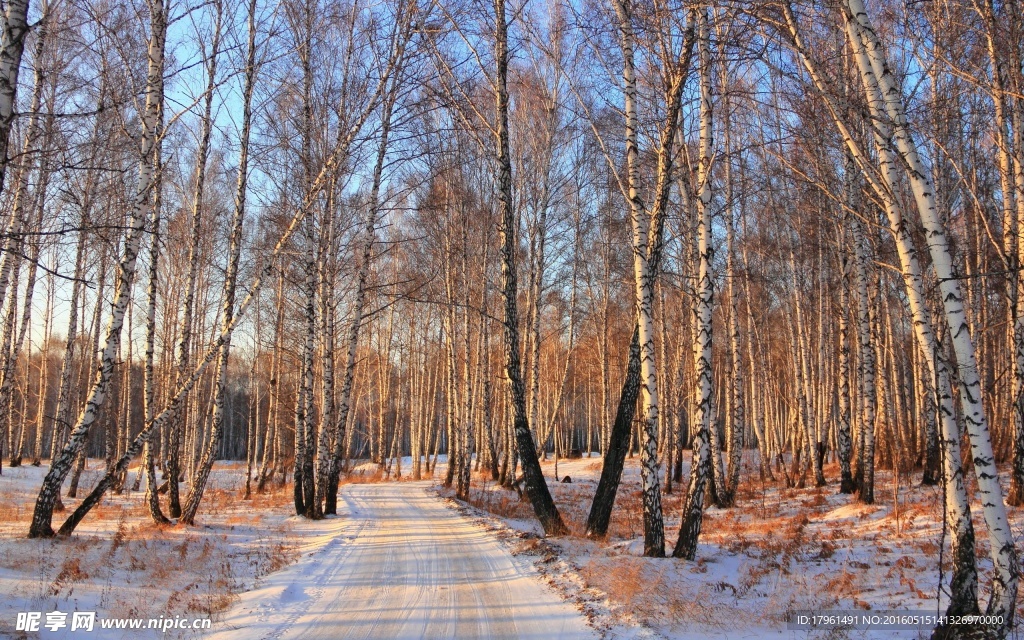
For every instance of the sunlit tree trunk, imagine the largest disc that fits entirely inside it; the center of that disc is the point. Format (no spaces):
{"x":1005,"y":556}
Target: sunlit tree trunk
{"x":654,"y":528}
{"x":757,"y":415}
{"x":86,"y":365}
{"x":44,"y":378}
{"x":26,"y":211}
{"x":43,"y":512}
{"x":737,"y":412}
{"x":1003,"y":551}
{"x":333,"y":469}
{"x":844,"y":431}
{"x":963,"y":584}
{"x":187,"y":327}
{"x":536,"y":487}
{"x":693,"y":504}
{"x":149,"y":381}
{"x":618,"y":437}
{"x":13,"y":30}
{"x":228,"y":310}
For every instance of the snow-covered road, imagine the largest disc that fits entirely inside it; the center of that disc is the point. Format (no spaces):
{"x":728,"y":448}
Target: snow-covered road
{"x":400,"y":564}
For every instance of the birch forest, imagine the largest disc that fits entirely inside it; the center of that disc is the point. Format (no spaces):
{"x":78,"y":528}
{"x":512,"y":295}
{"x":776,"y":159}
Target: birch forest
{"x":721,"y":248}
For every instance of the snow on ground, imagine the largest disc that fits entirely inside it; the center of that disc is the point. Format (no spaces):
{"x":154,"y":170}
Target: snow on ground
{"x":366,"y":470}
{"x":120,"y":565}
{"x":777,"y":552}
{"x":396,"y":563}
{"x":403,"y":566}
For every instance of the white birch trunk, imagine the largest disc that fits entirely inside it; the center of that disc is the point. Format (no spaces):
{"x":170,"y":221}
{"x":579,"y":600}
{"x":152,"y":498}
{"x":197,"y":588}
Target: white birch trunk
{"x":737,"y":414}
{"x":963,"y":599}
{"x":185,"y":345}
{"x":640,"y":221}
{"x":13,"y":29}
{"x":1003,"y":552}
{"x":43,"y":512}
{"x":149,"y":381}
{"x":329,"y":468}
{"x":693,"y":504}
{"x":338,"y":154}
{"x":195,"y":494}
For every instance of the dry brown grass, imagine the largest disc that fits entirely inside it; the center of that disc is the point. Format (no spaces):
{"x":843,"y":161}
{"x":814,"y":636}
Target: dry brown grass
{"x":845,"y":584}
{"x":13,"y":512}
{"x":644,"y":589}
{"x":362,"y":476}
{"x":817,"y":499}
{"x":70,"y":573}
{"x":243,"y":519}
{"x":218,"y":502}
{"x":136,"y":568}
{"x":501,"y":502}
{"x":627,"y":516}
{"x":793,"y":548}
{"x":274,"y":495}
{"x":113,"y":509}
{"x":271,"y":558}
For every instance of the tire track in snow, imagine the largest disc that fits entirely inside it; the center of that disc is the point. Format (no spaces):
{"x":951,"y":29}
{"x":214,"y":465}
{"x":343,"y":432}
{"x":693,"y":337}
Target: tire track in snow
{"x":406,"y":566}
{"x":323,"y":578}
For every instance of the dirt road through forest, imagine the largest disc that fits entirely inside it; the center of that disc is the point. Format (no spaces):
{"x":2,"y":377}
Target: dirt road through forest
{"x":403,"y":565}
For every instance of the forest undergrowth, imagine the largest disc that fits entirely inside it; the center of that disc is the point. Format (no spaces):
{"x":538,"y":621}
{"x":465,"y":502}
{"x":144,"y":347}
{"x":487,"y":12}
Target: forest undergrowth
{"x":124,"y":566}
{"x":778,"y":551}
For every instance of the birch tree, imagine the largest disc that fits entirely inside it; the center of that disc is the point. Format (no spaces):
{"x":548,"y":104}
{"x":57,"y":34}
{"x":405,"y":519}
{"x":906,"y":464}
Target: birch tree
{"x":228,"y":310}
{"x":329,"y":465}
{"x":693,"y":504}
{"x":964,"y":580}
{"x":675,"y":72}
{"x":187,"y":325}
{"x":13,"y":30}
{"x":537,"y":489}
{"x":644,"y":226}
{"x":871,"y":61}
{"x":43,"y":511}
